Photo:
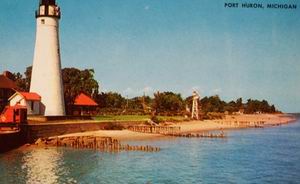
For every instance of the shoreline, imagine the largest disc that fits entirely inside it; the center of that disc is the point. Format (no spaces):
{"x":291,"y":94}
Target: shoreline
{"x":231,"y":122}
{"x":194,"y":126}
{"x":185,"y":128}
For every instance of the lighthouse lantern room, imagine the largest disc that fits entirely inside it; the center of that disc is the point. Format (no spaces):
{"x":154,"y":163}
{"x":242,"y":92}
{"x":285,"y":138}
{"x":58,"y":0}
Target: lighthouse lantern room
{"x":48,"y":8}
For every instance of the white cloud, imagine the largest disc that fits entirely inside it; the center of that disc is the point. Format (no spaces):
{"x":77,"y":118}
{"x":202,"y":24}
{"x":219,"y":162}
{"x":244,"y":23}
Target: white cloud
{"x":103,"y":90}
{"x":148,"y":90}
{"x":147,"y":7}
{"x":216,"y":91}
{"x":130,"y":92}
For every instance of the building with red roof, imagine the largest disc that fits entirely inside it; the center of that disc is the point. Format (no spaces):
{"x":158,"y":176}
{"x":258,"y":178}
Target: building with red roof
{"x":84,"y":105}
{"x":30,"y":96}
{"x":7,"y":88}
{"x":6,"y":83}
{"x":31,"y":100}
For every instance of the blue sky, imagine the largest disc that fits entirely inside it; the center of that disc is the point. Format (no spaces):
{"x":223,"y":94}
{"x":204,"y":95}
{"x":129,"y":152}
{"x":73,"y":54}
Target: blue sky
{"x":138,"y":46}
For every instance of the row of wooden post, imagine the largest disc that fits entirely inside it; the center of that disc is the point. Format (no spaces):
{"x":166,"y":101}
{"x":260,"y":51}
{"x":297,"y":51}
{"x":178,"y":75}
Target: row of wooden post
{"x":173,"y":131}
{"x":155,"y":129}
{"x":255,"y":124}
{"x":106,"y":144}
{"x":201,"y":135}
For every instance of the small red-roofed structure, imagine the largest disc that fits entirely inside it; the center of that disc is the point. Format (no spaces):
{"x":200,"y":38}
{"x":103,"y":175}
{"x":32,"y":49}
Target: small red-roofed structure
{"x":84,"y":100}
{"x":84,"y":105}
{"x":29,"y":99}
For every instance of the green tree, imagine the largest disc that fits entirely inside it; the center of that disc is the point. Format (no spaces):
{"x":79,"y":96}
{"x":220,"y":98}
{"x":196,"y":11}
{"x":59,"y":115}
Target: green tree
{"x":212,"y":104}
{"x":254,"y":106}
{"x":168,"y":102}
{"x":239,"y":103}
{"x":23,"y":83}
{"x":76,"y":81}
{"x":135,"y":103}
{"x":110,"y":100}
{"x":231,"y":107}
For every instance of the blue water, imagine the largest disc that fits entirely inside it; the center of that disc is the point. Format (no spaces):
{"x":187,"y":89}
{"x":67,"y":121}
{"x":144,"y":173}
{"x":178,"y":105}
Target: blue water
{"x":269,"y":155}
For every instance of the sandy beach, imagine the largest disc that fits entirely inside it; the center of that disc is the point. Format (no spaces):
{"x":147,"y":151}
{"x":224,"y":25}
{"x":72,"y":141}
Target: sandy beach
{"x":235,"y":121}
{"x":229,"y":122}
{"x":123,"y":135}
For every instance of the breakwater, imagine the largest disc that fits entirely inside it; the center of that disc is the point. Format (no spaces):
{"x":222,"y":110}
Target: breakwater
{"x":166,"y":130}
{"x":175,"y":132}
{"x":105,"y":144}
{"x":242,"y":124}
{"x":201,"y":135}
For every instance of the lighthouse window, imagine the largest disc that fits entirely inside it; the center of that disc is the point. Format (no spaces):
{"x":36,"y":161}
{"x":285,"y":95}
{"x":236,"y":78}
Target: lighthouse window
{"x":43,"y":21}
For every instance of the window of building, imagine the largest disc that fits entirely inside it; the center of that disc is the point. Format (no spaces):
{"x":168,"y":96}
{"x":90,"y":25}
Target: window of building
{"x":43,"y":21}
{"x":32,"y":105}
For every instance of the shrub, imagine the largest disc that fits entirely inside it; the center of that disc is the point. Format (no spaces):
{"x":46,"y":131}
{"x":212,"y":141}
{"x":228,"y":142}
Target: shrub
{"x":114,"y":126}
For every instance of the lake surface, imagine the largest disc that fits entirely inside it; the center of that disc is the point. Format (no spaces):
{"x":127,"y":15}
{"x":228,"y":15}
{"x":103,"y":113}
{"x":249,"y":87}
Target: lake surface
{"x":269,"y":155}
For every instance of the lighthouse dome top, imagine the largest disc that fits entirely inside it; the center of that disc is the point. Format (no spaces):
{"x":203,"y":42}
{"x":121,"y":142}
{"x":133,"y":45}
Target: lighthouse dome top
{"x":47,"y":2}
{"x":48,"y":8}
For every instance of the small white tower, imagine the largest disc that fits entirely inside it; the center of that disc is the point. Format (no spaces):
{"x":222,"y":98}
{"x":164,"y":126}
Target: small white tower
{"x":46,"y":79}
{"x":195,"y":108}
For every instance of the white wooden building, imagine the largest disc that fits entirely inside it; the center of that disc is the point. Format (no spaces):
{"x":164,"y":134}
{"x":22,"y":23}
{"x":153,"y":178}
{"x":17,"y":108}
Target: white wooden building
{"x":31,"y":100}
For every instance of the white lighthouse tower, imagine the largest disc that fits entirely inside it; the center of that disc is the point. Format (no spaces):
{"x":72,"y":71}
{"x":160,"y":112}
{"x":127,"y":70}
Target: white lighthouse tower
{"x":46,"y":79}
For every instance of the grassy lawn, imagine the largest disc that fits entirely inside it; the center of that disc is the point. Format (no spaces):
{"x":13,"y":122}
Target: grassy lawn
{"x":171,"y":118}
{"x":122,"y":118}
{"x":136,"y":118}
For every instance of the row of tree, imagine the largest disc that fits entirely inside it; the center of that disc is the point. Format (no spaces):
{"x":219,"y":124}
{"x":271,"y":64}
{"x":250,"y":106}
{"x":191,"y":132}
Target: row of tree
{"x":76,"y":81}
